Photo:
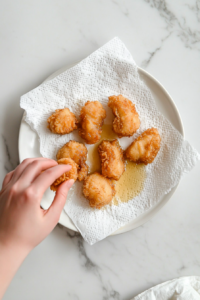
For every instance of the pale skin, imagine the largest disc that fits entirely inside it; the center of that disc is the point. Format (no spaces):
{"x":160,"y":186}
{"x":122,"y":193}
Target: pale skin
{"x":23,"y":223}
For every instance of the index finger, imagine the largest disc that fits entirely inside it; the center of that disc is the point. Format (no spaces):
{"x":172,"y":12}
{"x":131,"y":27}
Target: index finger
{"x":21,"y":167}
{"x":46,"y":178}
{"x":7,"y":178}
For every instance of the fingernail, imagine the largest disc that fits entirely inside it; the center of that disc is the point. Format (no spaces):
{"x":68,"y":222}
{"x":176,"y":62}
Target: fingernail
{"x":68,"y":166}
{"x":69,"y":183}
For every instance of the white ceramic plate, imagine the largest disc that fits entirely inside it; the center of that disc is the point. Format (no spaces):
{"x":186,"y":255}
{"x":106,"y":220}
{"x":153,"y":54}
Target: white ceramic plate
{"x":29,"y":147}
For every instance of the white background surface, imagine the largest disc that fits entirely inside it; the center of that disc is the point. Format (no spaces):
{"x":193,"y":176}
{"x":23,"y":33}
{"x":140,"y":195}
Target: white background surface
{"x":39,"y":37}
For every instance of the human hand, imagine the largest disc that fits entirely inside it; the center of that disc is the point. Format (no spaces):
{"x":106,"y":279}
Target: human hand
{"x":22,"y":221}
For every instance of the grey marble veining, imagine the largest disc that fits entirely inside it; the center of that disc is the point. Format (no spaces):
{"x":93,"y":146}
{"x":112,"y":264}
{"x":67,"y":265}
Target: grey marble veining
{"x":89,"y":265}
{"x":177,"y":25}
{"x":164,"y":38}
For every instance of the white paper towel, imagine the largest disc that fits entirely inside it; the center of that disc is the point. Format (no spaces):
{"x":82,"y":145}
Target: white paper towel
{"x":185,"y":288}
{"x":110,"y":70}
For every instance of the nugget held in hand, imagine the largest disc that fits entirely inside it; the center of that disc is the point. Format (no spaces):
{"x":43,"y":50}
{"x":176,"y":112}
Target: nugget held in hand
{"x":78,"y":152}
{"x":62,"y":121}
{"x":126,"y":121}
{"x":71,"y":174}
{"x":91,"y":121}
{"x":98,"y":190}
{"x":112,"y":159}
{"x":145,"y":148}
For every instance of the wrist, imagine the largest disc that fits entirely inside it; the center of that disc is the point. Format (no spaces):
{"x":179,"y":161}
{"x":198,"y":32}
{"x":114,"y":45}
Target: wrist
{"x":12,"y":249}
{"x":11,"y":257}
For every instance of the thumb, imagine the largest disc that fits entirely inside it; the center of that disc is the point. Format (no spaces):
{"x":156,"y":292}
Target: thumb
{"x":56,"y":207}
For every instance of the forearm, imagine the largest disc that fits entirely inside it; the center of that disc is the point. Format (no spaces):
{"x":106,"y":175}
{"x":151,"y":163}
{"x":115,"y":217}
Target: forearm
{"x":11,"y":257}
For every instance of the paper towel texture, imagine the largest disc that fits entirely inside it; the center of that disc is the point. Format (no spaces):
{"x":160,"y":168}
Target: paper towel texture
{"x":108,"y":71}
{"x":185,"y":288}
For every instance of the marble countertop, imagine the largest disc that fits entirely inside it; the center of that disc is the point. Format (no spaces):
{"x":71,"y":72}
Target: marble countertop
{"x":39,"y":37}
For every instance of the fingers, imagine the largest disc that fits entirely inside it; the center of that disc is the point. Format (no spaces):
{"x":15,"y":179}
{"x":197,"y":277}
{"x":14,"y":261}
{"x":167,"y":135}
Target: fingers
{"x":7,"y":178}
{"x":18,"y":171}
{"x":33,"y":170}
{"x":56,"y":208}
{"x":46,"y":178}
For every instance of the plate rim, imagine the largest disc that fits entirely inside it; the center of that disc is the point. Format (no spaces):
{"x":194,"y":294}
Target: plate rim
{"x":150,"y":213}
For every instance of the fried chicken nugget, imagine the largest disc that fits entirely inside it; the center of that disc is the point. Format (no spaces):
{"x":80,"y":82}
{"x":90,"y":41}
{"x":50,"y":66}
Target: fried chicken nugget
{"x":145,"y":148}
{"x":126,"y":121}
{"x":71,"y":174}
{"x":78,"y":152}
{"x":98,"y":190}
{"x":91,"y":121}
{"x":62,"y":121}
{"x":112,"y":159}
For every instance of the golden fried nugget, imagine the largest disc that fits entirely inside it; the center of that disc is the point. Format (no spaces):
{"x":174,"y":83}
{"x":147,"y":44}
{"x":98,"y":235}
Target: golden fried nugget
{"x":71,"y":174}
{"x":62,"y":121}
{"x":78,"y":152}
{"x":126,"y":121}
{"x":112,"y":159}
{"x":91,"y":121}
{"x":145,"y":148}
{"x":98,"y":190}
